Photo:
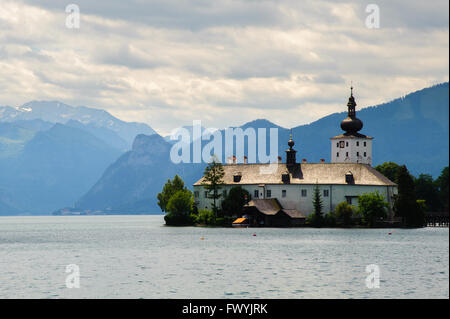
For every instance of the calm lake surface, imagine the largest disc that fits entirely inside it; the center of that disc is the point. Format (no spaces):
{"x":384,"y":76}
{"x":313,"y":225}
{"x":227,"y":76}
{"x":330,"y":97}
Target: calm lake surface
{"x":138,"y":257}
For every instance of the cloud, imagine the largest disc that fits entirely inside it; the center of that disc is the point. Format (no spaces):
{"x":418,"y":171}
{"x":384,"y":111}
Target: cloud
{"x":226,"y":62}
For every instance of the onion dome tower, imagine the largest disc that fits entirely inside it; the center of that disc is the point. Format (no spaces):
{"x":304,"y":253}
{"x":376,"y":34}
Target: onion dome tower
{"x":351,"y":146}
{"x":291,"y":153}
{"x":351,"y":125}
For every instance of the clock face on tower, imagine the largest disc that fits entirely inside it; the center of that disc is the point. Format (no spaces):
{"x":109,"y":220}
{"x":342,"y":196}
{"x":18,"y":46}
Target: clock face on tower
{"x":341,"y":144}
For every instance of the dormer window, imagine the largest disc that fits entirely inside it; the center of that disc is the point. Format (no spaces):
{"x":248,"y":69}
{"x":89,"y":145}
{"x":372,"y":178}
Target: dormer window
{"x":237,"y":178}
{"x":285,"y":178}
{"x":349,"y":178}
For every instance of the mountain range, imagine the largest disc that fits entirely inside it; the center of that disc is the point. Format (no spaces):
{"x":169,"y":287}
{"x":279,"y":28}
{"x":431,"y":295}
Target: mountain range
{"x":53,"y":155}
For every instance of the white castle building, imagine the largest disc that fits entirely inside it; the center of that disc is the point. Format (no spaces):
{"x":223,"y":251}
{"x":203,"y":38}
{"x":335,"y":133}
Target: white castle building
{"x":288,"y":188}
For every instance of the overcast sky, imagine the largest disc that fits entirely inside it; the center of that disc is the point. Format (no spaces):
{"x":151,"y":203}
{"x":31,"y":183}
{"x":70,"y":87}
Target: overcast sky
{"x":168,"y":62}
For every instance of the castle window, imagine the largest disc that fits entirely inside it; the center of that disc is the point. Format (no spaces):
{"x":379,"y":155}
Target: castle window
{"x":283,"y":193}
{"x":256,"y":193}
{"x":304,"y":193}
{"x":326,"y":193}
{"x":337,"y":154}
{"x":357,"y":153}
{"x":365,"y":143}
{"x":268,"y":193}
{"x":337,"y":144}
{"x":346,"y":143}
{"x":365,"y":154}
{"x":346,"y":154}
{"x":357,"y":143}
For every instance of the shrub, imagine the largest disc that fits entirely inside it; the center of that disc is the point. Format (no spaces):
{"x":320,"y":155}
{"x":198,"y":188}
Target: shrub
{"x":372,"y":206}
{"x":344,"y":211}
{"x":206,"y":217}
{"x":330,"y":219}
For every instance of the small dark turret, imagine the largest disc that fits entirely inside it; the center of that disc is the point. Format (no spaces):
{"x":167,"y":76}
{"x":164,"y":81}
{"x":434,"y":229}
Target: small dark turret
{"x":291,"y":153}
{"x":351,"y":125}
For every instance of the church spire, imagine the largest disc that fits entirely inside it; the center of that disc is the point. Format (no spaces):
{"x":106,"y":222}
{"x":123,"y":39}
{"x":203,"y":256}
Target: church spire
{"x":351,"y":104}
{"x":291,"y":153}
{"x":291,"y":142}
{"x":351,"y":125}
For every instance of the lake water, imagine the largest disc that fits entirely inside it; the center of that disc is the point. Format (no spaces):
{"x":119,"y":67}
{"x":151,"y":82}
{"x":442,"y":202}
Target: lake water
{"x":138,"y":257}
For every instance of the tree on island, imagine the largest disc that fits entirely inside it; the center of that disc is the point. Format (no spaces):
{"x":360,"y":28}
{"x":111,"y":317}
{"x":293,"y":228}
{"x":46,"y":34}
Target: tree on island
{"x":443,"y":186}
{"x":177,"y":201}
{"x":317,"y":217}
{"x":169,"y":189}
{"x":389,"y":169}
{"x":234,"y":202}
{"x":213,"y":179}
{"x":179,"y":209}
{"x":371,"y":207}
{"x":428,"y":190}
{"x":406,"y":205}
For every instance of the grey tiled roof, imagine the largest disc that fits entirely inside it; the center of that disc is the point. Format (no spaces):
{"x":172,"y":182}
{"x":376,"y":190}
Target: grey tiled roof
{"x":304,"y":173}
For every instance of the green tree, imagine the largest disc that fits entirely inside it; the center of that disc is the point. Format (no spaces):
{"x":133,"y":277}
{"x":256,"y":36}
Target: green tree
{"x":344,"y":211}
{"x":428,"y":190}
{"x":233,"y":204}
{"x":443,"y":186}
{"x":317,"y":219}
{"x":179,"y":208}
{"x":213,"y":179}
{"x":389,"y":169}
{"x":406,"y":205}
{"x":371,"y":207}
{"x":169,"y":189}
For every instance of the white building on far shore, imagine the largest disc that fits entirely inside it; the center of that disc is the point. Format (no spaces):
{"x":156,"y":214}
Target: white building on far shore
{"x":349,"y":175}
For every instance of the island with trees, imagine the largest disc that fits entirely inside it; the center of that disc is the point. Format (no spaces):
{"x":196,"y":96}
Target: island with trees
{"x":416,"y":196}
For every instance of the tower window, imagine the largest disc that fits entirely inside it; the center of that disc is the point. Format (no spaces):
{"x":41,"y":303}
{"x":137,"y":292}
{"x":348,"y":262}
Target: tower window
{"x":357,"y":143}
{"x":365,"y":154}
{"x":346,"y":143}
{"x":346,"y":154}
{"x":337,"y":154}
{"x":283,"y":193}
{"x":304,"y":193}
{"x":326,"y":193}
{"x":357,"y":153}
{"x":337,"y":144}
{"x":256,"y":193}
{"x":365,"y":143}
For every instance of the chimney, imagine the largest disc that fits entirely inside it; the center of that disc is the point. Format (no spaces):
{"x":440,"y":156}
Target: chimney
{"x":279,"y":159}
{"x":245,"y":159}
{"x":304,"y":160}
{"x":322,"y":160}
